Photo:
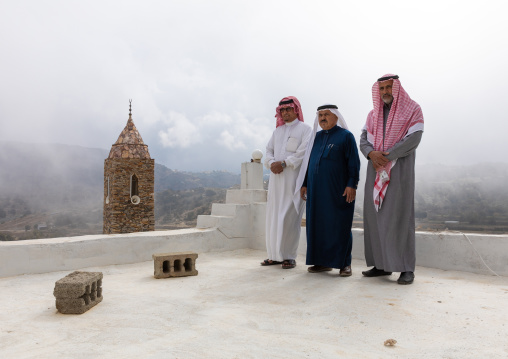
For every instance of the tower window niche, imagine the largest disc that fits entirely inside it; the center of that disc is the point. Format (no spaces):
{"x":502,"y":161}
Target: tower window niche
{"x":134,"y":186}
{"x":107,"y":195}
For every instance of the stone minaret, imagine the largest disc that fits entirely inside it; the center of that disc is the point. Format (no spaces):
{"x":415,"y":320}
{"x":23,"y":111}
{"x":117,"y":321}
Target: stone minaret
{"x":129,"y":184}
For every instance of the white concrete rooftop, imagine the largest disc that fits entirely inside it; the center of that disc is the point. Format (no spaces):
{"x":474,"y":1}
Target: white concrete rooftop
{"x":235,"y":308}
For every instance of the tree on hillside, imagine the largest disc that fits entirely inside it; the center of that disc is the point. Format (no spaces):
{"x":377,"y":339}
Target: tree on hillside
{"x":6,"y":237}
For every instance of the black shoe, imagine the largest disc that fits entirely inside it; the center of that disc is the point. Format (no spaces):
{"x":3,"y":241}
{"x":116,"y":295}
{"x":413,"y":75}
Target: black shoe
{"x":318,"y":268}
{"x":406,"y":278}
{"x":374,"y":272}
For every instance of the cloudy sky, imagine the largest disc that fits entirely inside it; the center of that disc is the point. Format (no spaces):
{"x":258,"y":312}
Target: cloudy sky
{"x":205,"y":76}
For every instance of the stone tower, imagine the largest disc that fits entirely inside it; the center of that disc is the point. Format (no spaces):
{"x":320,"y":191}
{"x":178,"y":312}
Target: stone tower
{"x":129,"y":184}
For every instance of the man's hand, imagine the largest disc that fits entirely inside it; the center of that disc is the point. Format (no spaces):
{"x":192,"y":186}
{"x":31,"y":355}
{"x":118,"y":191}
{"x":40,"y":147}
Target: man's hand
{"x":350,"y":194}
{"x":377,"y":168}
{"x":276,"y":167}
{"x":303,"y":193}
{"x":378,"y":159}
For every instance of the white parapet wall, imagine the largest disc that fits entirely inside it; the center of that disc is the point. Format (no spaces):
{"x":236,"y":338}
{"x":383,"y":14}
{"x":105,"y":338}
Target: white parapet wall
{"x":71,"y":253}
{"x":454,"y":251}
{"x":252,"y":175}
{"x":238,"y":223}
{"x":441,"y":250}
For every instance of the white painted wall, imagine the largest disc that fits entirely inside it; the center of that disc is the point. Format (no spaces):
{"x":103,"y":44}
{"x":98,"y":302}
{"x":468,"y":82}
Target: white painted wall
{"x":72,"y":253}
{"x":442,"y":250}
{"x":239,"y":223}
{"x":252,"y":175}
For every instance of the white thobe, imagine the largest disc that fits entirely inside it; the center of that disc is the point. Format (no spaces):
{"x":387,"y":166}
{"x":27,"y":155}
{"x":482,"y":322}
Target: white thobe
{"x":283,"y":218}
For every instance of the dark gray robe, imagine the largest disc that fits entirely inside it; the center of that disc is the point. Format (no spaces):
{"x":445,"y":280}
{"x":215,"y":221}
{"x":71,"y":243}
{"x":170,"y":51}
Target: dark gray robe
{"x":389,"y":235}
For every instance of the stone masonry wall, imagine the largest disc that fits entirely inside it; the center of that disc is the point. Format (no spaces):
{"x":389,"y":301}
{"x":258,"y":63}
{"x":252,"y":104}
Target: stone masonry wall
{"x":120,"y":214}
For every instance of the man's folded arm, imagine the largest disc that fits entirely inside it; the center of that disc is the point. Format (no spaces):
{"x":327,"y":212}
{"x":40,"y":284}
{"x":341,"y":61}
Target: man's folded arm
{"x":406,"y":146}
{"x":365,"y":146}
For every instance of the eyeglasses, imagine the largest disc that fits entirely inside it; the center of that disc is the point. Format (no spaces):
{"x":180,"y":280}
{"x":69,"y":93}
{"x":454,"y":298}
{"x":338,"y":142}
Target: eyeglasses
{"x":284,"y":109}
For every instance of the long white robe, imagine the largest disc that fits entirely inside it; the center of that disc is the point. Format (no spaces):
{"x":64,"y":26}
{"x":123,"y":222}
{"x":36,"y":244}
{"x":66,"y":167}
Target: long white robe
{"x":283,"y":218}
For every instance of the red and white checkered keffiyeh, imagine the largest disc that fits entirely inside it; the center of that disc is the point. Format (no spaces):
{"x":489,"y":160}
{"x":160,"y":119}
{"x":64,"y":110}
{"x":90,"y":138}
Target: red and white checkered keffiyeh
{"x":296,"y":105}
{"x":405,"y":118}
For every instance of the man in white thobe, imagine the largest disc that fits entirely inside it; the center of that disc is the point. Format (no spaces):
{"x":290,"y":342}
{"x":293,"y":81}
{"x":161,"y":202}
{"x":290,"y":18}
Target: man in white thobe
{"x":284,"y":155}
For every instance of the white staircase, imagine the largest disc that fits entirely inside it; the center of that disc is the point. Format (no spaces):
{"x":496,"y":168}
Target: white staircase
{"x":243,"y":214}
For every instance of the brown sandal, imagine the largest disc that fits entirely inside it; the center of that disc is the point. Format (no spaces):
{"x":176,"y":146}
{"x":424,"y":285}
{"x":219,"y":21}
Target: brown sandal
{"x":288,"y":264}
{"x":269,"y":262}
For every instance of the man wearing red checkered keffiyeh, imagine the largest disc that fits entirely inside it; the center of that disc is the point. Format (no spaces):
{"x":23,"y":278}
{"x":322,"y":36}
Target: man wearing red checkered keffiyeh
{"x":284,"y":155}
{"x":389,"y":140}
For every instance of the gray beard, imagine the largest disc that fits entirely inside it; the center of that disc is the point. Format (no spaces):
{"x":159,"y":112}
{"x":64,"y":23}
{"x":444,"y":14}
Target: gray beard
{"x":388,"y":101}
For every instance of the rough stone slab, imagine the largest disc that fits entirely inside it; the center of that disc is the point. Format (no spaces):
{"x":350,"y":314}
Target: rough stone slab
{"x":179,"y":264}
{"x":78,"y":291}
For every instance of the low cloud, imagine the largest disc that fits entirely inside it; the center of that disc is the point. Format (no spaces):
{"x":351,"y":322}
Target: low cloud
{"x":179,"y":132}
{"x":204,"y":91}
{"x":229,"y":132}
{"x":228,"y":140}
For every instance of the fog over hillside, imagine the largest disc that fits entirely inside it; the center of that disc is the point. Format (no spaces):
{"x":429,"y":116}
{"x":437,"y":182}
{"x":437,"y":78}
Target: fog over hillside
{"x":63,"y":185}
{"x":52,"y":176}
{"x":55,"y":176}
{"x":472,"y":194}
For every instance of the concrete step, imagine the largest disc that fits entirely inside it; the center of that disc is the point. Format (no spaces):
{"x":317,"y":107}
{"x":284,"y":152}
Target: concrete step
{"x":206,"y":221}
{"x":224,"y":209}
{"x":211,"y":221}
{"x":230,"y":226}
{"x":245,"y":196}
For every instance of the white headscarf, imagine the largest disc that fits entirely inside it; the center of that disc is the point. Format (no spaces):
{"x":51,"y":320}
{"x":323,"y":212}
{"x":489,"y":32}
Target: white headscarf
{"x":303,"y":168}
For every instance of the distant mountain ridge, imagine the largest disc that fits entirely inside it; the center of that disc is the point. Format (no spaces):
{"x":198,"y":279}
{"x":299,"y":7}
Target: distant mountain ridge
{"x":37,"y":178}
{"x":166,"y":178}
{"x":52,"y":176}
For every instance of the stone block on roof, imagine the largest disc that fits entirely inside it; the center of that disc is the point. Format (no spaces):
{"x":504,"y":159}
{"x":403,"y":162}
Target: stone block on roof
{"x":178,"y":264}
{"x":78,"y":291}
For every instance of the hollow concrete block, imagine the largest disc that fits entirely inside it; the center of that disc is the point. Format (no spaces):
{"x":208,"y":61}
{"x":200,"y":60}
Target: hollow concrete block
{"x":180,"y":264}
{"x":77,"y":292}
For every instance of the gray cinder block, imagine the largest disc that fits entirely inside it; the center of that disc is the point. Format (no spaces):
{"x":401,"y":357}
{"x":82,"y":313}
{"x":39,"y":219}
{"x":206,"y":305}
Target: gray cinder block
{"x":180,"y":264}
{"x":77,"y":292}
